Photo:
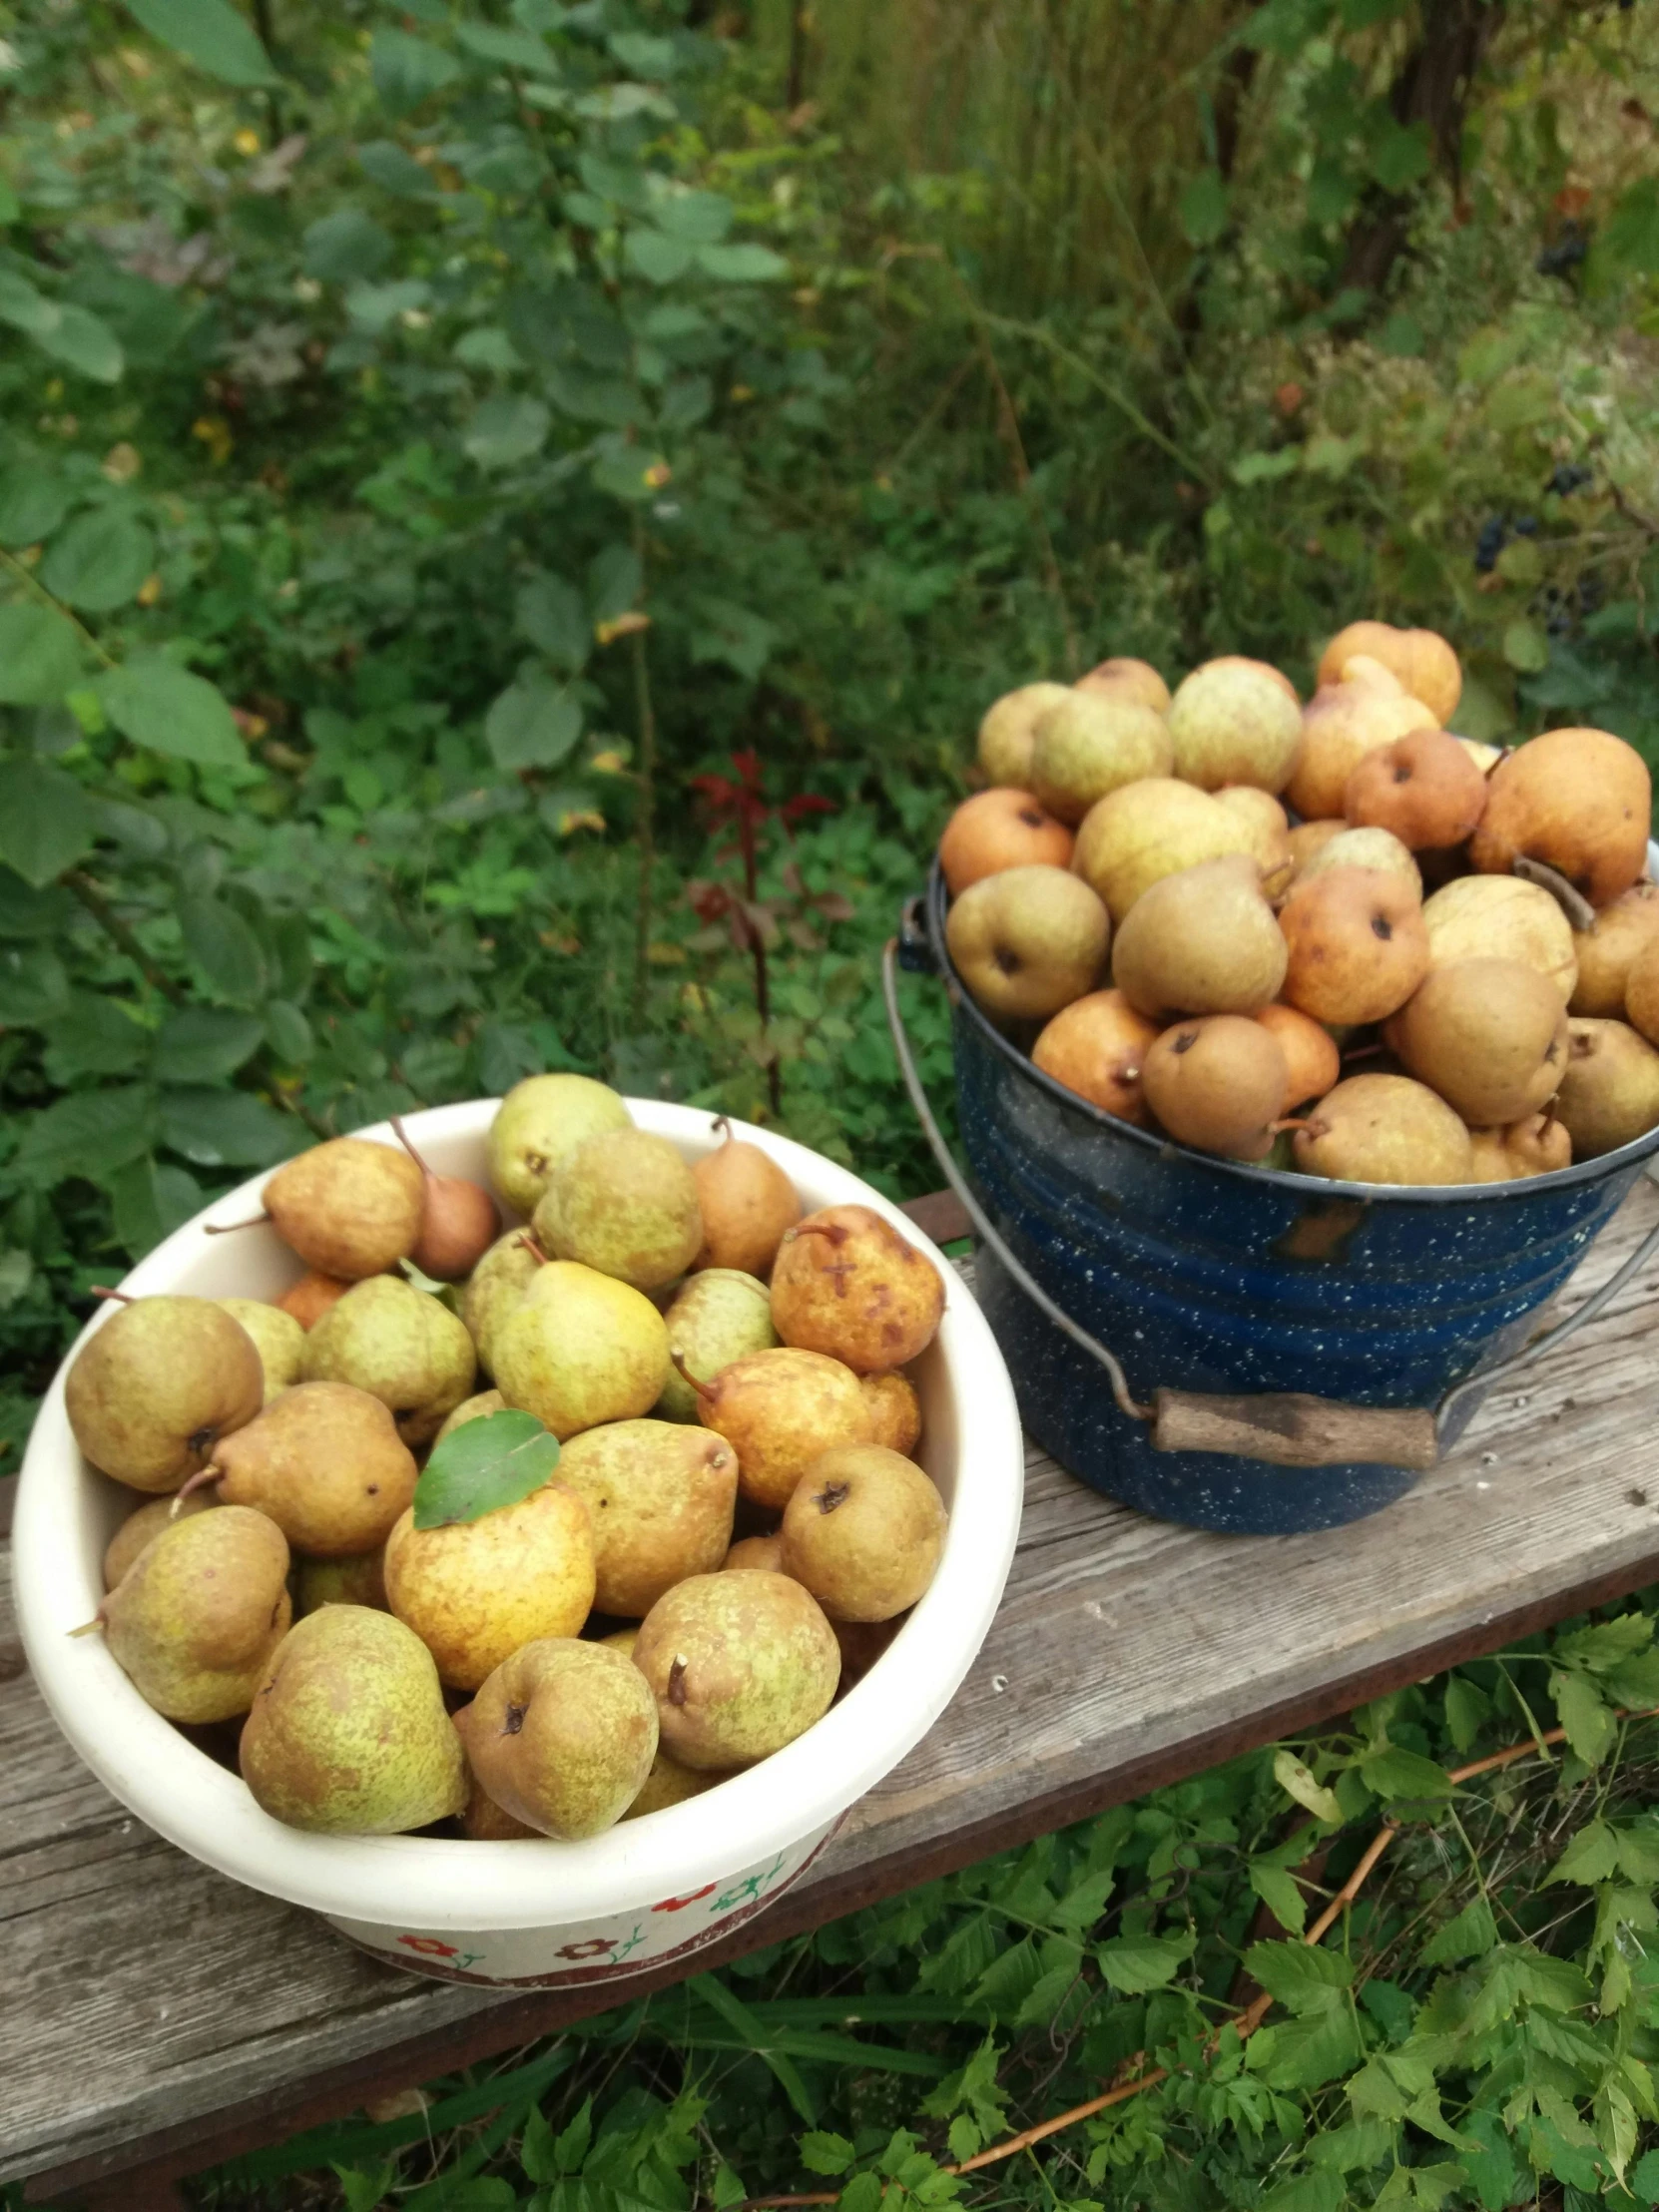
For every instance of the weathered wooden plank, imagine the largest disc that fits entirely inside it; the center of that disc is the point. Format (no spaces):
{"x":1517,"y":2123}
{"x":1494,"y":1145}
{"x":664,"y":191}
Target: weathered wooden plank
{"x":149,"y":2000}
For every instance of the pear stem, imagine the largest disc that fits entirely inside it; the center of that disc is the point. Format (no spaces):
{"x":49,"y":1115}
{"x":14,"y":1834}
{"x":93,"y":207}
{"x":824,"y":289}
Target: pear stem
{"x":685,"y":1373}
{"x":404,"y":1139}
{"x":198,"y":1481}
{"x":530,"y":1245}
{"x":226,"y":1228}
{"x":723,"y":1121}
{"x":1309,"y":1122}
{"x":91,"y":1627}
{"x":1567,"y":897}
{"x":119,"y":1298}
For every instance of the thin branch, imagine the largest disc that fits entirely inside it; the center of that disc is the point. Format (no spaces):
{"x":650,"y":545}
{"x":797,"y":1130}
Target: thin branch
{"x":37,"y":590}
{"x":81,"y":886}
{"x":646,"y":717}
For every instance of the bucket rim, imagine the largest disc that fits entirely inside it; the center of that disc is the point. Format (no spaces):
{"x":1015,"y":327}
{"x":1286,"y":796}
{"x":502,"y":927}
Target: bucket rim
{"x":1600,"y":1169}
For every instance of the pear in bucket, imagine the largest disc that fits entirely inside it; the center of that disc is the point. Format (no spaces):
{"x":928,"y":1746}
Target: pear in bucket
{"x":562,"y":1736}
{"x":747,"y":1202}
{"x":660,"y":1497}
{"x":458,"y":1220}
{"x":151,"y":1392}
{"x":719,"y":1316}
{"x":351,"y":1208}
{"x":277,"y":1338}
{"x":1008,"y":732}
{"x":739,"y":1664}
{"x":537,"y":1123}
{"x":1202,"y":942}
{"x":1218,"y":1083}
{"x":402,"y":1345}
{"x":494,"y":1288}
{"x":624,"y":1202}
{"x":325,"y":1463}
{"x":196,"y":1618}
{"x":865,"y":1532}
{"x":847,"y":1284}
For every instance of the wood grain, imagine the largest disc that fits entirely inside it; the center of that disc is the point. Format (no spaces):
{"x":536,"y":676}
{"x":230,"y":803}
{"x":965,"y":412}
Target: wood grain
{"x":156,"y":2012}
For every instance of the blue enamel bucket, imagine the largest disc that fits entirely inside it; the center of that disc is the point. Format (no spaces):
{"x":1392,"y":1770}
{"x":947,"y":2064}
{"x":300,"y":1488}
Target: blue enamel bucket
{"x":1210,"y":1276}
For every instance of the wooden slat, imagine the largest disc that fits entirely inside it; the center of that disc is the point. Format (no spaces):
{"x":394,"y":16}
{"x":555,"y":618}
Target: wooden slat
{"x":155,"y":2010}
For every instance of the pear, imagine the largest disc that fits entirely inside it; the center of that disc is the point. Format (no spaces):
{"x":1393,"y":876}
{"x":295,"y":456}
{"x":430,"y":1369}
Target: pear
{"x":895,"y":1412}
{"x":1607,"y":953}
{"x":1218,"y":1083}
{"x":626,"y":1204}
{"x":762,"y":1554}
{"x":1641,"y":991}
{"x":1359,"y":946}
{"x":477,"y":1408}
{"x":1374,"y":848}
{"x":1267,"y":824}
{"x":1609,"y":1094}
{"x":1311,"y":837}
{"x":865,"y":1532}
{"x":1340,"y":724}
{"x":326,"y":1463}
{"x":779,"y":1410}
{"x":195,"y":1617}
{"x":1384,"y":1129}
{"x":349,"y":1735}
{"x":847,"y":1284}
{"x":668,"y":1783}
{"x":277,"y":1338}
{"x":740,"y":1665}
{"x":660,"y":1497}
{"x":747,"y":1202}
{"x":1204,"y":941}
{"x":473,"y":1591}
{"x":1500,"y":917}
{"x":1421,"y":660}
{"x":1537,"y":1146}
{"x":150,"y":1394}
{"x":719,"y":1316}
{"x":538,"y":1122}
{"x":1235,"y":721}
{"x":494,"y":1288}
{"x":360,"y":1581}
{"x":1489,"y":1035}
{"x":310,"y":1297}
{"x":143,"y":1525}
{"x":1097,"y":1047}
{"x":1156,"y":828}
{"x":999,"y":829}
{"x":1580,"y":800}
{"x":349,"y":1208}
{"x":1423,"y":787}
{"x":401,"y":1346}
{"x":485,"y":1822}
{"x":581,"y":1348}
{"x":1008,"y":732}
{"x":458,"y":1220}
{"x":562,"y":1736}
{"x":1312,"y":1062}
{"x":1125,"y":678}
{"x":1091,"y":742}
{"x":1028,"y":940}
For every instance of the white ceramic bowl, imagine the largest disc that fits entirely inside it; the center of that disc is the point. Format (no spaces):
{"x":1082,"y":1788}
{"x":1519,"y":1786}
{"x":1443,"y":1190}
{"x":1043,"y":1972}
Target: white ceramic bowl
{"x":542,"y":1912}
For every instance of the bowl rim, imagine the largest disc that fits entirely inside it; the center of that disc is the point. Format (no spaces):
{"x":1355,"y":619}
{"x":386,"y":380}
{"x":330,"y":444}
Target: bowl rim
{"x":963,"y":1003}
{"x":445,"y":1884}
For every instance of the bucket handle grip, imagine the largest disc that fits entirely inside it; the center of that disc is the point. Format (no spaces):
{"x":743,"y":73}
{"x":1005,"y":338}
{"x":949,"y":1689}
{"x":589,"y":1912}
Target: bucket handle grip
{"x":1289,"y":1428}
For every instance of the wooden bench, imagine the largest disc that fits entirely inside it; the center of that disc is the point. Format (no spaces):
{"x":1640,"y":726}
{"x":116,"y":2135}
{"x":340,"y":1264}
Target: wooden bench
{"x":157,"y":2018}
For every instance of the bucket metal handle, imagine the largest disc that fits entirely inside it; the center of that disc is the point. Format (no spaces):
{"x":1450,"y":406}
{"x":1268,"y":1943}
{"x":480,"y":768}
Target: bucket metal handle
{"x":1287,"y":1428}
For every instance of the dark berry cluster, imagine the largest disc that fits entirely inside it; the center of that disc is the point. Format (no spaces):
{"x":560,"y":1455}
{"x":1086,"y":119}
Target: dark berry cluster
{"x":1494,"y":533}
{"x":1571,"y":476}
{"x":1566,"y":253}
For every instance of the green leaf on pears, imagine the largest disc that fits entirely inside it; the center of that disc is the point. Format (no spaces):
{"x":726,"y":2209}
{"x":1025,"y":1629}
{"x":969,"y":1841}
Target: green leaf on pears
{"x":482,"y":1467}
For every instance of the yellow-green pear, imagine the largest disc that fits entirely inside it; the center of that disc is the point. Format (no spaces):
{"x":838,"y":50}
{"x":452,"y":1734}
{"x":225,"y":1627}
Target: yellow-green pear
{"x":473,"y":1591}
{"x":659,"y":1496}
{"x":195,"y":1619}
{"x":718,"y":1316}
{"x":739,"y":1664}
{"x":1236,"y":721}
{"x":478,"y":1407}
{"x":277,"y":1338}
{"x":561,"y":1736}
{"x":1609,"y":1094}
{"x":495,"y":1286}
{"x":1092,"y":742}
{"x":318,"y":1582}
{"x":402,"y":1345}
{"x":538,"y":1122}
{"x":1008,"y":730}
{"x":347,"y":1735}
{"x":144,"y":1524}
{"x":151,"y":1392}
{"x":580,"y":1348}
{"x":1152,"y":829}
{"x":626,"y":1204}
{"x":326,"y":1463}
{"x":668,"y":1783}
{"x":351,"y":1208}
{"x":865,"y":1532}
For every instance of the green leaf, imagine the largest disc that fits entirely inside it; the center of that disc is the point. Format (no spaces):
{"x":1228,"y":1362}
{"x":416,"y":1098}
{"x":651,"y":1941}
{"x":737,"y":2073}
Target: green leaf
{"x":34,"y":985}
{"x":167,"y":710}
{"x":1580,"y":1709}
{"x":1135,"y":1964}
{"x":33,"y":502}
{"x":742,"y":263}
{"x":1400,"y":155}
{"x":550,"y":613}
{"x":1468,"y":1707}
{"x":218,"y":1128}
{"x":736,"y":636}
{"x":1261,"y":468}
{"x":1295,"y":1779}
{"x":704,"y":218}
{"x":507,"y":49}
{"x":223,"y":947}
{"x":1643,"y":2178}
{"x":1470,"y":1934}
{"x":94,"y":1037}
{"x":1638,"y":1854}
{"x":1525,"y":647}
{"x":83,"y":340}
{"x":150,"y":1201}
{"x":657,"y":258}
{"x":1318,"y":2191}
{"x":1203,"y":207}
{"x":1274,"y":1885}
{"x":204,"y":1044}
{"x":823,"y":2153}
{"x":487,"y":345}
{"x":346,"y":245}
{"x":1630,"y":237}
{"x":571,"y":2147}
{"x":1591,"y":1857}
{"x":1308,"y":2051}
{"x":40,"y":656}
{"x":482,"y":1467}
{"x":1080,"y":1908}
{"x":45,"y":821}
{"x":534,"y":724}
{"x":506,"y":429}
{"x":98,"y":562}
{"x":90,"y":1134}
{"x":1395,"y":1773}
{"x":288,"y":1032}
{"x":1606,"y":1644}
{"x":209,"y":33}
{"x":1635,"y":1681}
{"x":408,"y":70}
{"x":1300,"y":1975}
{"x":386,"y":165}
{"x":25,"y":308}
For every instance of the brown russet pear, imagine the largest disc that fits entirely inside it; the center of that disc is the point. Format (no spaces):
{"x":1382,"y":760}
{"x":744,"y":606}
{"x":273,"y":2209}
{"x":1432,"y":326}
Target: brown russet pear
{"x":847,"y":1284}
{"x":1423,"y":787}
{"x":538,"y":1122}
{"x":1028,"y":941}
{"x":1641,"y":991}
{"x":895,"y":1412}
{"x":1308,"y":838}
{"x":1204,"y":941}
{"x":562,"y":1736}
{"x":668,"y":1783}
{"x":1609,"y":1094}
{"x":1384,"y":1129}
{"x":997,"y":829}
{"x":151,"y":1392}
{"x":194,"y":1621}
{"x":326,"y":1462}
{"x":483,"y":1820}
{"x":1267,"y":824}
{"x":458,"y":1221}
{"x":310,"y":1297}
{"x":494,"y":1288}
{"x":739,"y":1664}
{"x":660,"y":1498}
{"x":1500,"y":917}
{"x":1122,"y":677}
{"x":719,"y":1316}
{"x":1091,"y":742}
{"x":144,"y":1524}
{"x":1580,"y":800}
{"x":1537,"y":1146}
{"x":1097,"y":1047}
{"x":1340,"y":724}
{"x":764,"y":1554}
{"x":747,"y":1202}
{"x":1421,"y":660}
{"x":349,"y":1208}
{"x":347,"y":1734}
{"x":477,"y":1408}
{"x":1218,"y":1083}
{"x":1357,"y":944}
{"x":403,"y":1346}
{"x":277,"y":1338}
{"x":360,"y":1581}
{"x":1153,"y":829}
{"x":1606,"y":953}
{"x":1312,"y":1061}
{"x":579,"y":1349}
{"x":1008,"y":732}
{"x":779,"y":1410}
{"x":1235,"y":721}
{"x":865,"y":1532}
{"x":626,"y":1204}
{"x":1489,"y":1035}
{"x":1373,"y":849}
{"x":473,"y":1591}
